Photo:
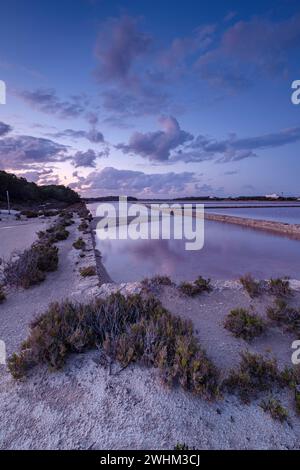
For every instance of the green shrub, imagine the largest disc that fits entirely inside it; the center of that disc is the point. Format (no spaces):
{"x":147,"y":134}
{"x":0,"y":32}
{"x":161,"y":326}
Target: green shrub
{"x":79,"y":244}
{"x":280,"y":287}
{"x":244,"y":324}
{"x":199,"y":286}
{"x":297,"y":399}
{"x":255,"y":374}
{"x":284,"y":315}
{"x":251,"y":285}
{"x":275,"y":408}
{"x":88,"y":271}
{"x":131,"y":329}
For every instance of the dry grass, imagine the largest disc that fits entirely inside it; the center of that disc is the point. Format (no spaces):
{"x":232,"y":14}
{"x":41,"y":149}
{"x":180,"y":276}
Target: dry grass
{"x":284,"y":315}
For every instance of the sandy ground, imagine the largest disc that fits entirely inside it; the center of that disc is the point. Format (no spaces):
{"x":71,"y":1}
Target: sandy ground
{"x":83,"y":407}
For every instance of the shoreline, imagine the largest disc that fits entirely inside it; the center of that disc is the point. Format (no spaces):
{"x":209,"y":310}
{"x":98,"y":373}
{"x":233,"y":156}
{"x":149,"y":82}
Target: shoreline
{"x":280,"y":228}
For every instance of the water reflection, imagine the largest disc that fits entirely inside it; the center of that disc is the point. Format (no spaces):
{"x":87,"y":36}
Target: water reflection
{"x":229,"y":251}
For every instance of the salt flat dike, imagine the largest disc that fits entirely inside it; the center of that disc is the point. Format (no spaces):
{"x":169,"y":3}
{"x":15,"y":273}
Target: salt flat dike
{"x":291,"y":230}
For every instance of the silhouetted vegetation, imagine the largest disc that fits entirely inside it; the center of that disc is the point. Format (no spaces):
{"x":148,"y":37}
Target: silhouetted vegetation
{"x":21,"y":190}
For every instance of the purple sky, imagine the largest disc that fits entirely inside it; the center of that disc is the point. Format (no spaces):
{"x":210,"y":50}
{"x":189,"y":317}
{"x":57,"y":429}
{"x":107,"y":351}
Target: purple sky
{"x":130,"y":98}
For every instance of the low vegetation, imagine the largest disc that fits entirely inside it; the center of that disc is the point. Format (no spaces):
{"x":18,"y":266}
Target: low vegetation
{"x":155,"y":283}
{"x":197,"y":287}
{"x":275,"y":409}
{"x":129,"y":330}
{"x":83,"y":226}
{"x":30,"y":266}
{"x":252,"y":286}
{"x":280,"y":288}
{"x":79,"y":244}
{"x":88,"y":271}
{"x":244,"y":324}
{"x":255,"y":374}
{"x":284,"y":315}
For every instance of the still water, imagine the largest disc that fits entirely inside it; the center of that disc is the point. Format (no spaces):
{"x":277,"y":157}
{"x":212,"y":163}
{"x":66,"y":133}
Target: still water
{"x":290,"y":215}
{"x":229,"y":251}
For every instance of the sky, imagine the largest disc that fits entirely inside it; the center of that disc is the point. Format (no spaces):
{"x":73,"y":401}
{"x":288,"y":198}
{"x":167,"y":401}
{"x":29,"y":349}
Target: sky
{"x":152,"y":99}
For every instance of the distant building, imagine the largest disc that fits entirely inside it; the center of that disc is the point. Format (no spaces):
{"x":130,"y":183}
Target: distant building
{"x":272,"y":196}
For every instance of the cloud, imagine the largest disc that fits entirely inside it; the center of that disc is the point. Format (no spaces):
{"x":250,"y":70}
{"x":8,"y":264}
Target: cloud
{"x":184,"y":48}
{"x":247,"y":49}
{"x":113,"y":181}
{"x":39,"y":175}
{"x":4,"y":128}
{"x":204,"y":148}
{"x":21,"y":151}
{"x":88,"y":158}
{"x":119,"y":44}
{"x":157,"y":146}
{"x":47,"y":101}
{"x":94,"y":136}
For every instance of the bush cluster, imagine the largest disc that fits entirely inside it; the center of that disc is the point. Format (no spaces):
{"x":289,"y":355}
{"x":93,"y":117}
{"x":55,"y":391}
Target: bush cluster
{"x":255,"y":374}
{"x":197,"y":287}
{"x":252,"y":286}
{"x":280,"y":287}
{"x":88,"y":271}
{"x":244,"y":324}
{"x":275,"y":409}
{"x":284,"y":315}
{"x":79,"y":244}
{"x":131,"y":329}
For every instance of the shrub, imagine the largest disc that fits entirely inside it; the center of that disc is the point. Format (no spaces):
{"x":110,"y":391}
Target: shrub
{"x":280,"y":287}
{"x":275,"y":408}
{"x":155,"y":283}
{"x":284,"y":315}
{"x":88,"y":271}
{"x":83,"y":226}
{"x":255,"y":374}
{"x":30,"y":267}
{"x":250,"y":285}
{"x":297,"y":398}
{"x":131,"y":329}
{"x":2,"y":295}
{"x":244,"y":324}
{"x":79,"y":244}
{"x":30,"y":214}
{"x":197,"y":287}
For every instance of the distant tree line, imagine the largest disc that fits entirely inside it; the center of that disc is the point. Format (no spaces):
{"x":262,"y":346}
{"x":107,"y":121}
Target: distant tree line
{"x":21,"y":190}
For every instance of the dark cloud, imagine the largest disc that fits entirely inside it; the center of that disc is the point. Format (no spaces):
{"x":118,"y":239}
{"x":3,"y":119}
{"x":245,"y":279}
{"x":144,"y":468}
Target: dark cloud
{"x":38,"y":175}
{"x":113,"y":181}
{"x":234,"y":149}
{"x":157,"y":146}
{"x":120,"y":43}
{"x":21,"y":151}
{"x":94,"y":136}
{"x":88,"y":158}
{"x":47,"y":101}
{"x":4,"y":128}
